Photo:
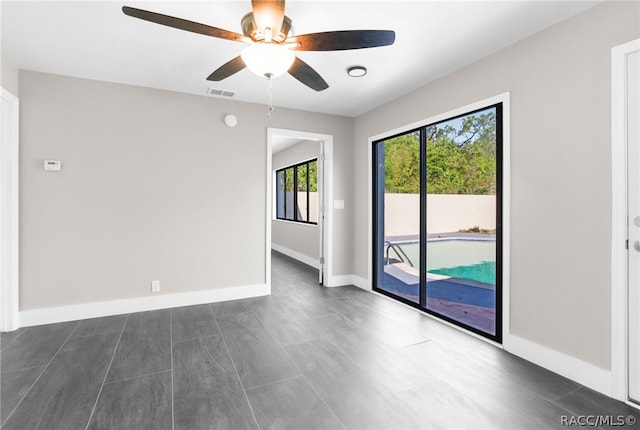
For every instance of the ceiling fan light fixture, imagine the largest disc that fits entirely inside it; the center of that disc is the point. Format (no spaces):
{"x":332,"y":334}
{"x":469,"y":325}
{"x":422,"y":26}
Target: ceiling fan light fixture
{"x":266,"y":28}
{"x":356,"y":71}
{"x":267,"y":59}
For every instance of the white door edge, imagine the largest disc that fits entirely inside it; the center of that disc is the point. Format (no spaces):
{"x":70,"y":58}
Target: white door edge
{"x":9,"y":221}
{"x":619,"y":284}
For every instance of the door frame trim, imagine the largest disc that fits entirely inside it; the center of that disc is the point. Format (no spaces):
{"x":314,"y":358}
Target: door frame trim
{"x":619,"y":299}
{"x":326,"y":241}
{"x":9,"y":215}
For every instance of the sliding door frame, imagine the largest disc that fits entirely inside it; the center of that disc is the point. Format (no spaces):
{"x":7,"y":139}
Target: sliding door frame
{"x":502,"y":205}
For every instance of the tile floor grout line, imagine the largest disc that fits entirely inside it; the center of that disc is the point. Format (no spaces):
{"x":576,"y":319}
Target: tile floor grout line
{"x":316,"y":391}
{"x":300,"y":372}
{"x":235,"y":369}
{"x":20,"y":369}
{"x":417,"y":343}
{"x":526,"y":388}
{"x":268,"y":332}
{"x":195,"y":338}
{"x":271,"y":338}
{"x":113,"y":356}
{"x":144,"y":375}
{"x":289,"y":378}
{"x":95,"y":334}
{"x":211,"y":359}
{"x":173,"y":419}
{"x":3,"y":347}
{"x":326,"y":335}
{"x":44,"y":369}
{"x":569,"y":393}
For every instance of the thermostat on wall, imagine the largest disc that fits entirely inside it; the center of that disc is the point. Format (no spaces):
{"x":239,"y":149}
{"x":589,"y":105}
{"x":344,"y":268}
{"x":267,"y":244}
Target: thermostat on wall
{"x":52,"y":165}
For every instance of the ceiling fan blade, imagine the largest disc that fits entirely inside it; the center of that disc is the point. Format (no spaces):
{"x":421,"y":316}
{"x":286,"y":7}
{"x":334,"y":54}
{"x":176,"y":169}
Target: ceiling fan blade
{"x":268,"y":14}
{"x":227,"y":69}
{"x":305,"y":74}
{"x":342,"y":40}
{"x":183,"y":24}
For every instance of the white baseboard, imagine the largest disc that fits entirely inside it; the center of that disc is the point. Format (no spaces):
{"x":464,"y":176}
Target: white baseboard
{"x":584,"y":373}
{"x":309,"y":261}
{"x":342,"y":280}
{"x":338,"y":281}
{"x":141,"y":304}
{"x":360,"y":282}
{"x":333,"y":281}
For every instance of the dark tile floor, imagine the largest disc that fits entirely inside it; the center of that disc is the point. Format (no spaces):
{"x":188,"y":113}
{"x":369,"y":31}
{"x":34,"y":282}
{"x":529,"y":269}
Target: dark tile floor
{"x":306,"y":357}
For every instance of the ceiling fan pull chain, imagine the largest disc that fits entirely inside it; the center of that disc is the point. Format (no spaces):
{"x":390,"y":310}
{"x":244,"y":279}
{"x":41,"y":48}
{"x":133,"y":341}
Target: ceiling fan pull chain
{"x":269,"y":94}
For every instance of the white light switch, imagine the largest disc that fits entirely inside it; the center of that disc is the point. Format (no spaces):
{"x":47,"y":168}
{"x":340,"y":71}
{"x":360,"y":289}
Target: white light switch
{"x":338,"y":204}
{"x":52,"y":165}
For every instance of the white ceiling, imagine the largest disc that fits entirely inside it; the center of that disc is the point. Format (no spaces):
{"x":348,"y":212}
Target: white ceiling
{"x":95,"y":40}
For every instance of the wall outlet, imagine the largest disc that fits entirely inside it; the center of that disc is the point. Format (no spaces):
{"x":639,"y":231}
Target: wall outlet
{"x":155,"y":286}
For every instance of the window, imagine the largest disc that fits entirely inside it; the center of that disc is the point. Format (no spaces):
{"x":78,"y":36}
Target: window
{"x":297,"y":192}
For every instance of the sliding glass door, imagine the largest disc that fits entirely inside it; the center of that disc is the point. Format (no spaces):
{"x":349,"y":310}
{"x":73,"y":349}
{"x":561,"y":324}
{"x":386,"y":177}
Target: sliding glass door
{"x":397,"y":203}
{"x":437,"y":209}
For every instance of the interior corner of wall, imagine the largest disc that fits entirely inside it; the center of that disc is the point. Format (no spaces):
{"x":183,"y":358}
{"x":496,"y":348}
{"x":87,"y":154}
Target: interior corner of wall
{"x":570,"y":367}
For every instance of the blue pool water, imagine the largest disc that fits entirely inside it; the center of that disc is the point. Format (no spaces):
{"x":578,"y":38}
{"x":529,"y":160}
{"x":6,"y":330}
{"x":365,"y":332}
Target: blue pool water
{"x":484,"y":271}
{"x":473,"y":260}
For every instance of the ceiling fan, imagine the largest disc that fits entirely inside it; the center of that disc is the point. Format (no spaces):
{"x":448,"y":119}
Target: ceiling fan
{"x":270,"y":47}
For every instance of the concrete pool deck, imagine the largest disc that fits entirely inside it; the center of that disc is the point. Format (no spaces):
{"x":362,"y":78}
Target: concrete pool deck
{"x":469,"y":302}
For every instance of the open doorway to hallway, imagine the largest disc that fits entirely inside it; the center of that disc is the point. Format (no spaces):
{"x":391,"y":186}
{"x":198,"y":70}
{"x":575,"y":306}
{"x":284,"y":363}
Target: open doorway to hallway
{"x":299,"y":187}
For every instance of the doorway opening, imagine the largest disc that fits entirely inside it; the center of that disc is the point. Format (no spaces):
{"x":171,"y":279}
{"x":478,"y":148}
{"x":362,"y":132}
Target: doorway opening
{"x":299,"y":189}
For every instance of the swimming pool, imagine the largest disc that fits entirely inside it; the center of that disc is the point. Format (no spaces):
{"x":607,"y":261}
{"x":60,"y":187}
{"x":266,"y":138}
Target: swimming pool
{"x":471,"y":259}
{"x":484,"y":272}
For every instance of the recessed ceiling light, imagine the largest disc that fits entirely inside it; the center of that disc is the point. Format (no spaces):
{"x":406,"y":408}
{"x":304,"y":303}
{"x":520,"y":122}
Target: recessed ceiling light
{"x":356,"y":71}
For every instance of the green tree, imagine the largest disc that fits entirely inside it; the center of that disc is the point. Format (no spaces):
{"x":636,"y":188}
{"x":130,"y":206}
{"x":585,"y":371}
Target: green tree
{"x":402,"y":164}
{"x":313,"y":176}
{"x":461,"y":157}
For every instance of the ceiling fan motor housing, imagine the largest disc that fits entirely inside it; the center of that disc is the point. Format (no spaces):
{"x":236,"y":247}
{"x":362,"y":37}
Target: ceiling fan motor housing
{"x":250,"y":29}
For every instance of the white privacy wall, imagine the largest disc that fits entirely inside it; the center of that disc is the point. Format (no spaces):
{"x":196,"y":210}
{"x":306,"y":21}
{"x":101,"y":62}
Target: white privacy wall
{"x":447,"y":213}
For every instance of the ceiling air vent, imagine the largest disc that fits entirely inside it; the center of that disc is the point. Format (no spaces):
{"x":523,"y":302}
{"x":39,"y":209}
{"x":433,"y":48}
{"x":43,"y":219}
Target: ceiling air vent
{"x":221,"y":93}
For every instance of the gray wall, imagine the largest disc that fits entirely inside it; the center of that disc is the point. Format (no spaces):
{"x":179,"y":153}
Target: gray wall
{"x":560,"y":83}
{"x":153,"y":186}
{"x":9,"y":76}
{"x":302,"y":238}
